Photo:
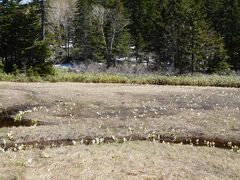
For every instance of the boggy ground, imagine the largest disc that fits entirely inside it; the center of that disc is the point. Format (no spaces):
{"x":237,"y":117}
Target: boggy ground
{"x":74,"y":113}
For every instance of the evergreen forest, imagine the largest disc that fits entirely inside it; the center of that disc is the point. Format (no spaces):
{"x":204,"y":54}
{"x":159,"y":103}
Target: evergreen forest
{"x":182,"y":36}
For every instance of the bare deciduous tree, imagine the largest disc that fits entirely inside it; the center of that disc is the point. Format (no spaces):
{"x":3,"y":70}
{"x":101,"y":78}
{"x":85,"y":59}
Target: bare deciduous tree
{"x":111,"y":23}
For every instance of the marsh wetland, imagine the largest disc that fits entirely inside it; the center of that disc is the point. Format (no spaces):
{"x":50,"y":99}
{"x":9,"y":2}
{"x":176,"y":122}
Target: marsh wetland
{"x":62,"y":122}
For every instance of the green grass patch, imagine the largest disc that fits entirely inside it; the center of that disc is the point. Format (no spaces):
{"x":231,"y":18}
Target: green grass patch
{"x":197,"y":80}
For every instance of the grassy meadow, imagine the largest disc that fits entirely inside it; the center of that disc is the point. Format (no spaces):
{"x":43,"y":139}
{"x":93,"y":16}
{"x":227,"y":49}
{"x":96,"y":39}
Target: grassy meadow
{"x":195,"y":80}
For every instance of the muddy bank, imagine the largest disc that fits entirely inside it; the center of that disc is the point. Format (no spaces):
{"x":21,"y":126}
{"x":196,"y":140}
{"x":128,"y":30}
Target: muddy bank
{"x":14,"y":116}
{"x":90,"y":140}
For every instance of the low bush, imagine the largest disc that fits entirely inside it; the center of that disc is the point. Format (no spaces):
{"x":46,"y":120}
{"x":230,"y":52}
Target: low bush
{"x":198,"y":80}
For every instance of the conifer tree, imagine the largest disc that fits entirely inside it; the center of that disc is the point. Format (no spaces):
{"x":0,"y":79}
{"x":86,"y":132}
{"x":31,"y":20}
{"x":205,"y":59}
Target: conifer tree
{"x":225,"y":17}
{"x":20,"y":36}
{"x":100,"y":30}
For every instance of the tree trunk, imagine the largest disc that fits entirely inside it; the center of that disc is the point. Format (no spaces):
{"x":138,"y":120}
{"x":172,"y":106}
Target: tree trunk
{"x":42,"y":7}
{"x":193,"y":46}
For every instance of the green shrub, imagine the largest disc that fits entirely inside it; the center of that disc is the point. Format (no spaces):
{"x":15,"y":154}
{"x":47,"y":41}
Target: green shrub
{"x":44,"y":69}
{"x":204,"y":80}
{"x":1,"y":67}
{"x":15,"y":70}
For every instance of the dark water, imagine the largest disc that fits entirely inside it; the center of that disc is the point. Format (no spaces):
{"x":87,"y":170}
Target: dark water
{"x":7,"y":116}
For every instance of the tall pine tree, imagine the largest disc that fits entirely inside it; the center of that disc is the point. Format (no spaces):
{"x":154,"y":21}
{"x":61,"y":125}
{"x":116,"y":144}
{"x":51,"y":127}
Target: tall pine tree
{"x":21,"y":45}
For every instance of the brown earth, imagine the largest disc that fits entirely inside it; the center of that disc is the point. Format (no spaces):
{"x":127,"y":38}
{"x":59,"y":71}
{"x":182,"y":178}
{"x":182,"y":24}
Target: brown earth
{"x":68,"y":113}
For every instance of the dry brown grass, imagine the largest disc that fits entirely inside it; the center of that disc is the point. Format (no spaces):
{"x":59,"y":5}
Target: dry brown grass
{"x":79,"y":110}
{"x":138,"y":160}
{"x":75,"y":111}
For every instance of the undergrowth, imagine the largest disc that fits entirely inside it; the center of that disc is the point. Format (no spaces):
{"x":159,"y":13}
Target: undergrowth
{"x":197,"y":80}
